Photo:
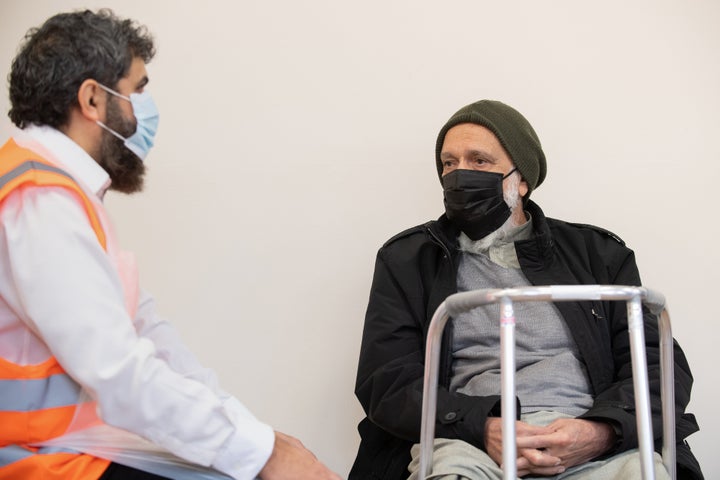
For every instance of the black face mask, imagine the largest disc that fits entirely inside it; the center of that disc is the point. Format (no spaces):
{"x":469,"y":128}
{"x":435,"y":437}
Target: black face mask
{"x":474,"y":201}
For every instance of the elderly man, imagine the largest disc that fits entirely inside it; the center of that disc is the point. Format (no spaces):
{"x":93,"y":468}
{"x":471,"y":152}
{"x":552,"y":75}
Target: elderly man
{"x":573,"y":363}
{"x":81,"y":347}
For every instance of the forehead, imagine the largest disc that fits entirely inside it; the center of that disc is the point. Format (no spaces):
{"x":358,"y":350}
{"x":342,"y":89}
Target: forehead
{"x":137,"y":69}
{"x":470,"y":139}
{"x":471,"y":135}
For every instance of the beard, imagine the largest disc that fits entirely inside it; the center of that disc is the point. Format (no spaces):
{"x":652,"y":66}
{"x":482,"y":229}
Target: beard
{"x":511,"y":196}
{"x":511,"y":193}
{"x":126,"y":170}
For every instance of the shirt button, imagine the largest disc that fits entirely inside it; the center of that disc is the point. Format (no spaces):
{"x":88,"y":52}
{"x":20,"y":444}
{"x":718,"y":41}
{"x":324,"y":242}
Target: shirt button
{"x":450,"y":416}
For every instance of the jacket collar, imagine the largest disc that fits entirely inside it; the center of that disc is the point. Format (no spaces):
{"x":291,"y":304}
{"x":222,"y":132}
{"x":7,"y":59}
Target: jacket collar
{"x":445,"y":231}
{"x":537,"y":249}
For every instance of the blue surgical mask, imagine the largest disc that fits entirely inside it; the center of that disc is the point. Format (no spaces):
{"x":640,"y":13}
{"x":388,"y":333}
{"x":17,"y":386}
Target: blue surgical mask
{"x":147,"y":118}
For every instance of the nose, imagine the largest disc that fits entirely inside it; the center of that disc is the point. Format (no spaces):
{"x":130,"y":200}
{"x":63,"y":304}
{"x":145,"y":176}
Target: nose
{"x":464,"y":164}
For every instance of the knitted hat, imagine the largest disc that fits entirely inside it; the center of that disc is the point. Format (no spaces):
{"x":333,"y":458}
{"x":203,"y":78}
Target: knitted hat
{"x":513,"y":131}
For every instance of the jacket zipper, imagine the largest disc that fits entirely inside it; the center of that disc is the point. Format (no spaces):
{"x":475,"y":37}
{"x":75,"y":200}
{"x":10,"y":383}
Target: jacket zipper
{"x":443,"y":378}
{"x":439,"y":242}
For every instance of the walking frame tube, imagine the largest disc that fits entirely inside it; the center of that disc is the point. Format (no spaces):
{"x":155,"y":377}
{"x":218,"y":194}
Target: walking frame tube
{"x":634,"y":296}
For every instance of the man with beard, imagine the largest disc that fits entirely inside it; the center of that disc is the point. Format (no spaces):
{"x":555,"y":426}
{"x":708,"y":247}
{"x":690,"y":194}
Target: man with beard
{"x":574,"y":383}
{"x":84,"y":359}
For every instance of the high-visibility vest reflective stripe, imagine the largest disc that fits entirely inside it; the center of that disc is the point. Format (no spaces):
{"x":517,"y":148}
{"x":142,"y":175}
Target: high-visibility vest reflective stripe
{"x":39,"y":402}
{"x":13,"y":453}
{"x":57,"y":390}
{"x":48,"y":464}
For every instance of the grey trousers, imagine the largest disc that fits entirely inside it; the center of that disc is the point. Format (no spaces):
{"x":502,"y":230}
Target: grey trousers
{"x":458,"y":460}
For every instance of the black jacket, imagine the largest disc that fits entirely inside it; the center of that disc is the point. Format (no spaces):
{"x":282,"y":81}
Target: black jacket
{"x":417,"y":269}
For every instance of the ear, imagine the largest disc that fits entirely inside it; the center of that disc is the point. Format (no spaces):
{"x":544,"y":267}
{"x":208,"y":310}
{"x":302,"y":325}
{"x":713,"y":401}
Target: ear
{"x":523,"y":188}
{"x":91,"y":100}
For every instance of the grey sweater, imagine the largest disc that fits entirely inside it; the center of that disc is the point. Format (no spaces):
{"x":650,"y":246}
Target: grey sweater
{"x":550,"y":375}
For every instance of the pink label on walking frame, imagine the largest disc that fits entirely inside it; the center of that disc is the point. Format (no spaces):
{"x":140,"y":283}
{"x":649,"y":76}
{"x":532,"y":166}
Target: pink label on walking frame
{"x":507,"y":320}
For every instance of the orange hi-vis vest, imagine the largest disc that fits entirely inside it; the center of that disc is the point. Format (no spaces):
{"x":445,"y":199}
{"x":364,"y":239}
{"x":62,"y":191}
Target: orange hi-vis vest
{"x":40,"y":402}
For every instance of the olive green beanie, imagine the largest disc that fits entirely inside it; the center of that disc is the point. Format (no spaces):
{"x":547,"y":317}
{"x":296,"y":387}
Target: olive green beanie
{"x":515,"y":133}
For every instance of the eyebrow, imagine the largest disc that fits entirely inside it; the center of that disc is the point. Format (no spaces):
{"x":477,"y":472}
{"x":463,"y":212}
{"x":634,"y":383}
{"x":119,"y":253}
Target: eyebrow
{"x":483,"y":155}
{"x":473,"y":153}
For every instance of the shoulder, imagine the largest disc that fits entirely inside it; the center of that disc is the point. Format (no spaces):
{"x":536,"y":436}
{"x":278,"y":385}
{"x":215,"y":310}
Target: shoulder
{"x":415,"y":244}
{"x":44,"y":211}
{"x":564,"y":230}
{"x":599,"y":231}
{"x":585,"y":230}
{"x":416,"y":233}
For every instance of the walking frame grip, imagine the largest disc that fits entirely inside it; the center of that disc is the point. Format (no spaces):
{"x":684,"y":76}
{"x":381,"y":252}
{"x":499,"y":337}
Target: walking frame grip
{"x":635,"y":297}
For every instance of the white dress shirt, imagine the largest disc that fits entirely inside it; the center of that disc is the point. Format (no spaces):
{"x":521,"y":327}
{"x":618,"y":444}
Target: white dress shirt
{"x":61,"y":295}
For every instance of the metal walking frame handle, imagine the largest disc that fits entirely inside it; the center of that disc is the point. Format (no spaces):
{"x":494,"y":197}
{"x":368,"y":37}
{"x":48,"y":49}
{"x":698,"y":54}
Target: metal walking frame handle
{"x":635,"y":298}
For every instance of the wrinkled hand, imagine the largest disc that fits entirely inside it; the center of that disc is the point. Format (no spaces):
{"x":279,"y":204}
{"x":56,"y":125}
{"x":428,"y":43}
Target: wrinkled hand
{"x":574,"y":440}
{"x":530,"y":459}
{"x":290,"y":460}
{"x":552,"y":449}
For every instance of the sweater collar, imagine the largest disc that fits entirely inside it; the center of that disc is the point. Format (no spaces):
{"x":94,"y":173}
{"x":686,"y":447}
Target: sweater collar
{"x":499,"y":246}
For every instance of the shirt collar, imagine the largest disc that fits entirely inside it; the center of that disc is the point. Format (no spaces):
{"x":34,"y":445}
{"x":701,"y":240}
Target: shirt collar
{"x":70,"y":155}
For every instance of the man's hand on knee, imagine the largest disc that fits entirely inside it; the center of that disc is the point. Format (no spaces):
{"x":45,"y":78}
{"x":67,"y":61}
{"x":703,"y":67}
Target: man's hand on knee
{"x":533,"y":460}
{"x":573,"y":440}
{"x":537,"y":462}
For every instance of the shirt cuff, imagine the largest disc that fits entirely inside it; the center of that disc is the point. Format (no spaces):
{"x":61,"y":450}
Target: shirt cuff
{"x":247,"y":451}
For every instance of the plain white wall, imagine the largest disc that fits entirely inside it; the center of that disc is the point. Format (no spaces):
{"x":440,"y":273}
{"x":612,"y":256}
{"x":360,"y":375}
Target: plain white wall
{"x":296,"y":137}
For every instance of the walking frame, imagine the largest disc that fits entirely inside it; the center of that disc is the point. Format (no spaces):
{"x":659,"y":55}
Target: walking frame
{"x":635,"y":297}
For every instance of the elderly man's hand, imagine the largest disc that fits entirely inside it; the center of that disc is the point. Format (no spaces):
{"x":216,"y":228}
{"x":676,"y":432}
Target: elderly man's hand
{"x":552,"y":449}
{"x":573,"y":440}
{"x":290,"y":460}
{"x":530,"y":459}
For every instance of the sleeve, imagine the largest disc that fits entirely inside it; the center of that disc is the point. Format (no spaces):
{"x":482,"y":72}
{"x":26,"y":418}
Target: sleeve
{"x":616,"y":403}
{"x":68,"y":292}
{"x":392,"y":355}
{"x":170,"y":347}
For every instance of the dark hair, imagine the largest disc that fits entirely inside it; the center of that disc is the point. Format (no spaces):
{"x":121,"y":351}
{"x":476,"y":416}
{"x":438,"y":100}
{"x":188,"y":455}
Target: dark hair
{"x":65,"y":51}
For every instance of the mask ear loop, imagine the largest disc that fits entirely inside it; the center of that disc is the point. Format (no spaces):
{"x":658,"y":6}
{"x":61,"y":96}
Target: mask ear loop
{"x":117,"y":94}
{"x":113,"y":92}
{"x":510,"y":173}
{"x":110,"y":130}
